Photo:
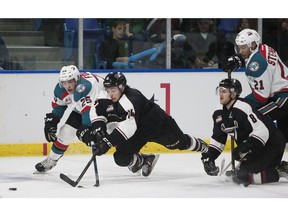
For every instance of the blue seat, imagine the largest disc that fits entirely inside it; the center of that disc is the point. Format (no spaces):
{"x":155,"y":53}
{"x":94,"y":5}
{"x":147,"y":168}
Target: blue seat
{"x":92,"y":34}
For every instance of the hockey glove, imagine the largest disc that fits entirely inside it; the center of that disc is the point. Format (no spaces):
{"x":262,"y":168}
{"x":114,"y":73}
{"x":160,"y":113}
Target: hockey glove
{"x":209,"y":165}
{"x":50,"y":128}
{"x":102,"y":144}
{"x":243,"y":151}
{"x":235,"y":62}
{"x":85,"y":135}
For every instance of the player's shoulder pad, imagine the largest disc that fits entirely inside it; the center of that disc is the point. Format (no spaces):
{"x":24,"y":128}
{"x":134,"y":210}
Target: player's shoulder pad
{"x":257,"y":65}
{"x":243,"y":105}
{"x":60,"y":91}
{"x":82,"y":89}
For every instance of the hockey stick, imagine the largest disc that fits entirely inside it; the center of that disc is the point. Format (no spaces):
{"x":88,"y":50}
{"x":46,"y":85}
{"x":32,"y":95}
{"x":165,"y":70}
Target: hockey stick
{"x":223,"y":170}
{"x":75,"y":183}
{"x":232,"y":158}
{"x":97,"y":184}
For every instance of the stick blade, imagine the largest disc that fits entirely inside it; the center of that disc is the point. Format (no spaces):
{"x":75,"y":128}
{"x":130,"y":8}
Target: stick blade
{"x":68,"y":180}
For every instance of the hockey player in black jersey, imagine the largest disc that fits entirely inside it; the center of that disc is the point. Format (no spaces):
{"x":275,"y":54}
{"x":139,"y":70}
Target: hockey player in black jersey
{"x":260,"y":145}
{"x":128,"y":121}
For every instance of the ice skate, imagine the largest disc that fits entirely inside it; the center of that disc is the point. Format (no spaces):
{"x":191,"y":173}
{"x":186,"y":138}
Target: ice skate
{"x":45,"y":165}
{"x":149,"y":163}
{"x":283,"y":169}
{"x":137,"y":163}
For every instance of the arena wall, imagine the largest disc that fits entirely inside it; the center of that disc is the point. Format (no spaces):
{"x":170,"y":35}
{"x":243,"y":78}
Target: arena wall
{"x":188,"y":96}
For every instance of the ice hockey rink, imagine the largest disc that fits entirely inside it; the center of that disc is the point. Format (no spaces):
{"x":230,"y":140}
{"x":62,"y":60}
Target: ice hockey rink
{"x":177,"y":181}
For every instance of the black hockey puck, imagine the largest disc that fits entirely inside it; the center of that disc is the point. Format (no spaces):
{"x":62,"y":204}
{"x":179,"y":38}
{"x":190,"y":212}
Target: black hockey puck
{"x":13,"y":189}
{"x":79,"y":186}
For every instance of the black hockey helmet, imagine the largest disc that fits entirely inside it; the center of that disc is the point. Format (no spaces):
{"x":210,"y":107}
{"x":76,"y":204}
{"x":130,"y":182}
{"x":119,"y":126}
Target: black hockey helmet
{"x":114,"y":79}
{"x":232,"y":84}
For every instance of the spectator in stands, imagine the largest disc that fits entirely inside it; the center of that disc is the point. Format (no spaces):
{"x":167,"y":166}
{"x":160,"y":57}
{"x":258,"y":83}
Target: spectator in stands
{"x":204,"y":42}
{"x":283,"y":41}
{"x":247,"y":23}
{"x":115,"y":48}
{"x":156,"y":29}
{"x":4,"y":55}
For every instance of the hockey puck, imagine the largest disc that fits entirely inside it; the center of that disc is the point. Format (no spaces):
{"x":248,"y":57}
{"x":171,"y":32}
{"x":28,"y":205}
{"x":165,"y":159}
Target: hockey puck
{"x":79,"y":186}
{"x":13,"y":189}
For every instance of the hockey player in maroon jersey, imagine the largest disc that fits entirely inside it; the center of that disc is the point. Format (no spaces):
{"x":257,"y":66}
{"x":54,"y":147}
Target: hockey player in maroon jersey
{"x":135,"y":120}
{"x":266,"y":74}
{"x":260,"y":145}
{"x":78,"y":91}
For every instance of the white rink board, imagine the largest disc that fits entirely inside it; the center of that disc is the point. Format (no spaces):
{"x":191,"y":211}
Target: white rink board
{"x":26,"y":98}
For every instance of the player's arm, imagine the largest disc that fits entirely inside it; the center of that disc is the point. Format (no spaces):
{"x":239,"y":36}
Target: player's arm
{"x":124,"y":130}
{"x":234,"y":62}
{"x":217,"y":144}
{"x":52,"y":119}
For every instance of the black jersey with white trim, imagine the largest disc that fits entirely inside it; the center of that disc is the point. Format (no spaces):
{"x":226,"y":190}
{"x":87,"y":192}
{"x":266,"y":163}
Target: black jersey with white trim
{"x":133,"y":112}
{"x":243,"y":121}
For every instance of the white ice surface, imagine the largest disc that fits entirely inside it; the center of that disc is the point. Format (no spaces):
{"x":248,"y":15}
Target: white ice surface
{"x":174,"y":176}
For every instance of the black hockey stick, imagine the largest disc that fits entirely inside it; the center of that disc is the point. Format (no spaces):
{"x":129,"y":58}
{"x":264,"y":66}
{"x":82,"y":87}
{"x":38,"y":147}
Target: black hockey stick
{"x":232,"y":138}
{"x":97,"y":184}
{"x":75,"y":183}
{"x":232,"y":158}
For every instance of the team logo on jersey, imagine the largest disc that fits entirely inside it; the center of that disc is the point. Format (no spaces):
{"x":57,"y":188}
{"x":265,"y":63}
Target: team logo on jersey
{"x":218,"y":119}
{"x":80,"y":88}
{"x":254,"y":66}
{"x":110,"y":108}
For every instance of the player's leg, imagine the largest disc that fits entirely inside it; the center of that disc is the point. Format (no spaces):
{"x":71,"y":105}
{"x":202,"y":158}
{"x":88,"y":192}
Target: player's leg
{"x":66,"y":135}
{"x":172,"y":137}
{"x":128,"y":154}
{"x":263,"y":167}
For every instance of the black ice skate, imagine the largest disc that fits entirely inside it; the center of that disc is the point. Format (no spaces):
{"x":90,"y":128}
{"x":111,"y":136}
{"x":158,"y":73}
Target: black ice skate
{"x":137,"y":163}
{"x":149,"y":163}
{"x":283,"y":169}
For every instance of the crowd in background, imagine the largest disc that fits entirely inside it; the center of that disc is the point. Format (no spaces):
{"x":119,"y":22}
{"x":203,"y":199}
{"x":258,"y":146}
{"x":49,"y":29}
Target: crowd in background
{"x":207,"y":43}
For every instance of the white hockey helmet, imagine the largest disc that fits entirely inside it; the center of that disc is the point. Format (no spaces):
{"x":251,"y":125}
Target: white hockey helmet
{"x":247,"y":37}
{"x":68,"y":73}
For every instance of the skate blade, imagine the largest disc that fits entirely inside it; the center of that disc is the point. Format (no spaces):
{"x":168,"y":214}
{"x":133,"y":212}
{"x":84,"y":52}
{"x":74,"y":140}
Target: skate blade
{"x":36,"y":172}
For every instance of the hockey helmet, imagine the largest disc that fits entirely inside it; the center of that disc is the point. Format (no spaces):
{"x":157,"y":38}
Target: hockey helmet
{"x":232,"y":84}
{"x":115,"y":79}
{"x":247,"y":37}
{"x":69,"y":72}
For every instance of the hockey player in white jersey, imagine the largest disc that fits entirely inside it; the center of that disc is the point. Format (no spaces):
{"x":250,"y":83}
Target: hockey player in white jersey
{"x":266,"y":74}
{"x":79,"y":91}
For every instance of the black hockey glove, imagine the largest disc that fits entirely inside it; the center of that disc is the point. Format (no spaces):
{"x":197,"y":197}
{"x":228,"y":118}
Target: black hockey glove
{"x":86,"y":135}
{"x":50,"y":128}
{"x":209,"y":164}
{"x":235,"y":62}
{"x":102,"y":144}
{"x":242,"y":177}
{"x":243,"y":151}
